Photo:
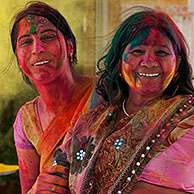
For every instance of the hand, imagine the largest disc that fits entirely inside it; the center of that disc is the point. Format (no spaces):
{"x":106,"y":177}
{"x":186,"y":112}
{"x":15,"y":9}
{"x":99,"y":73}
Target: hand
{"x":48,"y":182}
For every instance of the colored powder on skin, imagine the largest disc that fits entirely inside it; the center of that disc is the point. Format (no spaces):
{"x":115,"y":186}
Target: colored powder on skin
{"x":33,"y":29}
{"x":125,"y":57}
{"x":60,"y":63}
{"x":168,"y":78}
{"x":128,"y":78}
{"x":142,"y":38}
{"x":139,"y":39}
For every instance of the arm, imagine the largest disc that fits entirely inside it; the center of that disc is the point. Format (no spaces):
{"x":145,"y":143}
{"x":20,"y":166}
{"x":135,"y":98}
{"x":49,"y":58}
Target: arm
{"x":173,"y":167}
{"x":55,"y":179}
{"x":28,"y":168}
{"x":28,"y":159}
{"x":147,"y":188}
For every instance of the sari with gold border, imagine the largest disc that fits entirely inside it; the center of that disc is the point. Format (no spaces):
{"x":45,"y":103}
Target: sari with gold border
{"x":45,"y":142}
{"x":104,"y":156}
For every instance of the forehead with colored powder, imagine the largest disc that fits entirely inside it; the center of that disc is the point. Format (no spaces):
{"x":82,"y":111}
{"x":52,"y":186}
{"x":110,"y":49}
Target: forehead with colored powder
{"x":36,"y":23}
{"x":149,"y":36}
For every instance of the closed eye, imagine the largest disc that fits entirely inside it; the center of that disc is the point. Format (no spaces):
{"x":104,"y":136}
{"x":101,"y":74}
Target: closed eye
{"x":137,"y":52}
{"x":25,"y":42}
{"x":161,"y":53}
{"x":47,"y":37}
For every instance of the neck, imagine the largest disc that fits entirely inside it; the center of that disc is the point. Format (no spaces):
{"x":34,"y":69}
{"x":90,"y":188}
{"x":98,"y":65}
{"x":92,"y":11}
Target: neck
{"x":54,"y":95}
{"x":137,"y":101}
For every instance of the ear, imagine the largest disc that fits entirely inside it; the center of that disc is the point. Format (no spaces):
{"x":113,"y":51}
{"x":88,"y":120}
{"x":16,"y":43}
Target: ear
{"x":70,"y":47}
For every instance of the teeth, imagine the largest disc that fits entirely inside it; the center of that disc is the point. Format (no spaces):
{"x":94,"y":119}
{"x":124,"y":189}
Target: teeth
{"x":40,"y":63}
{"x":149,"y":75}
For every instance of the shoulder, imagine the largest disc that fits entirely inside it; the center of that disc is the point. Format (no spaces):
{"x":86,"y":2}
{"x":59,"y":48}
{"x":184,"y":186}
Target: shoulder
{"x":30,"y":104}
{"x":182,"y":102}
{"x":184,"y":116}
{"x":20,"y":138}
{"x":88,"y":79}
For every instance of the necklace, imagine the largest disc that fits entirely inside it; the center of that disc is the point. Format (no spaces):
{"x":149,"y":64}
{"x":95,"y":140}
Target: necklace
{"x":123,"y":107}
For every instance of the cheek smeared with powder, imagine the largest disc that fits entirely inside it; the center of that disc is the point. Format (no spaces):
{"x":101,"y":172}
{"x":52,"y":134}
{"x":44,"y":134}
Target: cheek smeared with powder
{"x":127,"y":70}
{"x":128,"y":74}
{"x":168,"y":76}
{"x":60,"y":62}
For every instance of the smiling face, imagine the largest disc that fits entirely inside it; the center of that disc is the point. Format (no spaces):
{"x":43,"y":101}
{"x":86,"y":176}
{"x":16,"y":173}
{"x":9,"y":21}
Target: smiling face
{"x":41,"y":49}
{"x":149,"y":63}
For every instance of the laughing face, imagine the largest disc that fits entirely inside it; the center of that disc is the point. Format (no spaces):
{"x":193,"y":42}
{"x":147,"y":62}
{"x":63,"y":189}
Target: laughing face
{"x":149,"y":63}
{"x":41,"y":49}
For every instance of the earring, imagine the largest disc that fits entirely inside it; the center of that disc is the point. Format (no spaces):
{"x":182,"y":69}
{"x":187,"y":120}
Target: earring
{"x":71,"y":59}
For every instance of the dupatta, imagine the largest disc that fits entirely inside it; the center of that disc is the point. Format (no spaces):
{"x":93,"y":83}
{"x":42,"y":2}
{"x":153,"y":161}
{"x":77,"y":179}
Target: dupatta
{"x":46,"y":142}
{"x":151,"y":126}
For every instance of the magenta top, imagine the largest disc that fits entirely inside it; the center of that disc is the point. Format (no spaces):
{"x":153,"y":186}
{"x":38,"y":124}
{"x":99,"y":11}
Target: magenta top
{"x":20,"y":138}
{"x":177,"y":159}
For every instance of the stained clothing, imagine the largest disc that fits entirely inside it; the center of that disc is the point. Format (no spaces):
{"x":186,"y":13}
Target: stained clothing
{"x":104,"y":154}
{"x":28,"y":132}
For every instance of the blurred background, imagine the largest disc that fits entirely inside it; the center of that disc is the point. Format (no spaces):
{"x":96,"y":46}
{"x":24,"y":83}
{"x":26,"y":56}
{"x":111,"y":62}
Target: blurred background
{"x":93,"y":23}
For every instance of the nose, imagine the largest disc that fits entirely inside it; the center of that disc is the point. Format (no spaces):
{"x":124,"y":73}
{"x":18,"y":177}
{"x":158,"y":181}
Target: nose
{"x":149,"y":61}
{"x":37,"y":47}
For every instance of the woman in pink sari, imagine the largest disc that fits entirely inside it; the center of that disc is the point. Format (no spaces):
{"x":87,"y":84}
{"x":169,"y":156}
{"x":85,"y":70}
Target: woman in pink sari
{"x":45,"y":48}
{"x":142,"y":139}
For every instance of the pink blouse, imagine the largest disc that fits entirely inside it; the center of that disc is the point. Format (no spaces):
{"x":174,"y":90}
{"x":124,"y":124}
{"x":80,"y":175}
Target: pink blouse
{"x":176,"y":160}
{"x":20,"y":138}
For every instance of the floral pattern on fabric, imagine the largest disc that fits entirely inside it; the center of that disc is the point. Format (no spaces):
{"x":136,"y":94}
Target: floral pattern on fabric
{"x":119,"y":143}
{"x":82,"y":152}
{"x":111,"y":161}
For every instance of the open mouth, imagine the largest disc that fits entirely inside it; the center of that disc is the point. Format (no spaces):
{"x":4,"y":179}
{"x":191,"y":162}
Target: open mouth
{"x":148,"y":74}
{"x":40,"y":63}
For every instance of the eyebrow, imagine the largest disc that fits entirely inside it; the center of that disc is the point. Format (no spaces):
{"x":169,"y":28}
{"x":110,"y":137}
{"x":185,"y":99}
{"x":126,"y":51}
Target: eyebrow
{"x":162,"y":46}
{"x":28,"y":34}
{"x":48,"y":30}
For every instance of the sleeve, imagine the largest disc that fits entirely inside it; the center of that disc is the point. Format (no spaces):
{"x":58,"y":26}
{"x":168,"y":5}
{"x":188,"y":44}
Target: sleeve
{"x":20,"y":138}
{"x":174,"y":166}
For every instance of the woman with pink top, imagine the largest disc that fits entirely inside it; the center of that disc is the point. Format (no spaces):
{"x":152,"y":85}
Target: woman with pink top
{"x":45,"y":48}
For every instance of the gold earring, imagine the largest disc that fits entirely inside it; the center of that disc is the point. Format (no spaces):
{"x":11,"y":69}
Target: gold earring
{"x":71,"y":59}
{"x":120,"y":75}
